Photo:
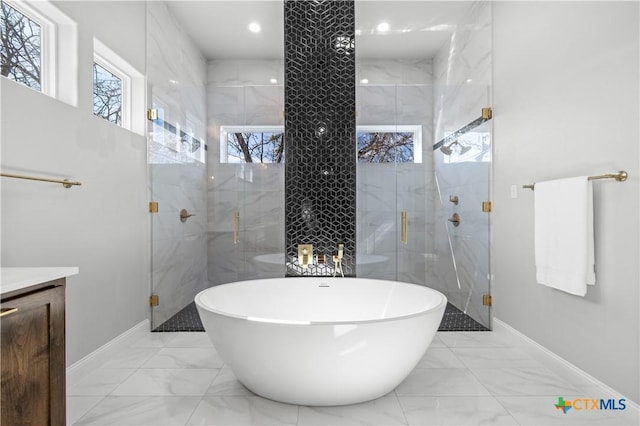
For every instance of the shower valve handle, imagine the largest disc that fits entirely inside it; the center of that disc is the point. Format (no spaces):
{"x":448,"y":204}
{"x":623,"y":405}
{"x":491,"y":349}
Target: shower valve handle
{"x":184,"y":215}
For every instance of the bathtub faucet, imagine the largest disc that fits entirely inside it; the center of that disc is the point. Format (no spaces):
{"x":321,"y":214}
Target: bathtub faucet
{"x":305,"y":255}
{"x":337,"y":261}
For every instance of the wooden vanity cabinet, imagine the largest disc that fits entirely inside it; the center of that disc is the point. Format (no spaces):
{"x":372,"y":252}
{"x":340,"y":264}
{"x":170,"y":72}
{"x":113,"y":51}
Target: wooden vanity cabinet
{"x":32,"y":356}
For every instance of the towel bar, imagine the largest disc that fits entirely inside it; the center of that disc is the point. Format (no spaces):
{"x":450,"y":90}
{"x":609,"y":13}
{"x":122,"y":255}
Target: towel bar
{"x":65,"y":182}
{"x":620,"y":176}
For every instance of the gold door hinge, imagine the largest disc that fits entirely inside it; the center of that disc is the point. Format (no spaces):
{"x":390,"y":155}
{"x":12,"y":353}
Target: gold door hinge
{"x":153,"y":207}
{"x":486,"y":299}
{"x":154,"y":300}
{"x":152,"y":114}
{"x":487,"y":113}
{"x":486,"y":206}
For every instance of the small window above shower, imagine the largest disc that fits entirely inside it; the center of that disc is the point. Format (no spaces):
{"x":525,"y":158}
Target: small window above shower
{"x":375,"y":144}
{"x":251,"y":144}
{"x":389,"y":144}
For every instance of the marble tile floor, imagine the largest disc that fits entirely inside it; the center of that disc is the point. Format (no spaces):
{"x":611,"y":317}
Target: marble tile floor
{"x":465,"y":378}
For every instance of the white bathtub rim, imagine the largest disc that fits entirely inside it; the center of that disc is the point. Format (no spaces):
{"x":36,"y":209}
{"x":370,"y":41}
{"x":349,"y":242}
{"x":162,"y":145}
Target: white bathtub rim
{"x":441,"y":305}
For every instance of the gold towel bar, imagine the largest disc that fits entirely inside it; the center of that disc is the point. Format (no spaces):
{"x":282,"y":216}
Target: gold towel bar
{"x":621,"y":176}
{"x":66,"y":182}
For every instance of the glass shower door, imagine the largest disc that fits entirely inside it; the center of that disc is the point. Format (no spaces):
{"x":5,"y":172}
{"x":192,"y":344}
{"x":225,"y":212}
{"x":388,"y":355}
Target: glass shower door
{"x":246,"y":182}
{"x":393,"y":179}
{"x":176,"y":103}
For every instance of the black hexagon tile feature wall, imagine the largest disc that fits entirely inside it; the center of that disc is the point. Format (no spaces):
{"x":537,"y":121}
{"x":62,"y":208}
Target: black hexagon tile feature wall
{"x":320,"y":131}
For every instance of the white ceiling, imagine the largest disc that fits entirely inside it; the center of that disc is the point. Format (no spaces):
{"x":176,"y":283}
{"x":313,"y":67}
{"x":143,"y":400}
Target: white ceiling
{"x":220,"y":28}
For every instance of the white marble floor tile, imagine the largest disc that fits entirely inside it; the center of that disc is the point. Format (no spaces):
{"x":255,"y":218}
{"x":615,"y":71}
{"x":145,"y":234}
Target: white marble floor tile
{"x":141,"y":410}
{"x":185,"y":358}
{"x":495,"y":358}
{"x":100,"y":382}
{"x":437,"y":342}
{"x":559,"y":368}
{"x":541,"y":410}
{"x":187,"y":340}
{"x":226,"y":384}
{"x":77,"y":406}
{"x":523,"y":381}
{"x":440,"y":382}
{"x":130,"y":358}
{"x":440,"y":358}
{"x":382,"y":411}
{"x":167,"y":382}
{"x":151,"y":340}
{"x":474,"y":339}
{"x":243,"y":410}
{"x":455,"y":410}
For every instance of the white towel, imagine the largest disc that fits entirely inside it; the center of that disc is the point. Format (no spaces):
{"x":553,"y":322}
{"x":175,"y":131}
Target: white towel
{"x":564,"y":247}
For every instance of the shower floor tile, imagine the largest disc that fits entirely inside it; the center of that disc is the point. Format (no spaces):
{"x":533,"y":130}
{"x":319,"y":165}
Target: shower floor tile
{"x":189,"y":320}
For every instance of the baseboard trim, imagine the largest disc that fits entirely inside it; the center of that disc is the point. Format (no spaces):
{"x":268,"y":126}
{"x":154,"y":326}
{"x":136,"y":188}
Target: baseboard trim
{"x":610,"y":391}
{"x":84,"y":366}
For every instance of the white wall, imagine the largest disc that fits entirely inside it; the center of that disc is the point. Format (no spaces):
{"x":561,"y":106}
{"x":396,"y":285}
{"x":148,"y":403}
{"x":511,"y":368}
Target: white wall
{"x":101,"y":226}
{"x":566,"y":99}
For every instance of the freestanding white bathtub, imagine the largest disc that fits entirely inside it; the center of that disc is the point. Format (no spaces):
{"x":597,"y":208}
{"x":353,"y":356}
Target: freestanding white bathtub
{"x":321,"y":341}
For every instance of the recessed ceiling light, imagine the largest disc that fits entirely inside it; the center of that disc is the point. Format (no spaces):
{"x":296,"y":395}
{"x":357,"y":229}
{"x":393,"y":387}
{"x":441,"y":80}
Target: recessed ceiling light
{"x":383,"y":27}
{"x":364,"y":81}
{"x":254,"y":27}
{"x":273,"y":81}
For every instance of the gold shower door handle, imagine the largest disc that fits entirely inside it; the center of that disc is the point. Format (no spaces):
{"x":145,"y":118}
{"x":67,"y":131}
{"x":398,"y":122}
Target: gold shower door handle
{"x":404,"y":227}
{"x":236,"y":227}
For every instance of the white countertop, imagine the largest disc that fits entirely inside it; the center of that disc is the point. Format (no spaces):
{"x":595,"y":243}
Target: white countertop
{"x":18,"y":278}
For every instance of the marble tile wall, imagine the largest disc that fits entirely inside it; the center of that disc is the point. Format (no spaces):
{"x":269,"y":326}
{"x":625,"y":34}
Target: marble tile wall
{"x":240,"y":93}
{"x":462,"y":69}
{"x":398,"y":92}
{"x":178,"y":174}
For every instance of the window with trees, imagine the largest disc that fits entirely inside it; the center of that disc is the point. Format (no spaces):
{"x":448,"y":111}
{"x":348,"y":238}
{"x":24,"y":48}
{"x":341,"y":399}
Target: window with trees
{"x":39,"y":48}
{"x":252,"y":144}
{"x":107,"y":94}
{"x":375,"y":144}
{"x":22,"y":46}
{"x":389,"y":144}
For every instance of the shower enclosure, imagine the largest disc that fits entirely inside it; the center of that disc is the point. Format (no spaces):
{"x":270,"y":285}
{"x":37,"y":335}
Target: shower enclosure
{"x":176,"y":99}
{"x":416,"y":85}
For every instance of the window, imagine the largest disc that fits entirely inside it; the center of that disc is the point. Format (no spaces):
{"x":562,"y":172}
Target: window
{"x":22,"y":46}
{"x":40,"y":48}
{"x":107,"y":94}
{"x":244,"y":144}
{"x":375,"y":144}
{"x":118,"y":90}
{"x":389,"y":144}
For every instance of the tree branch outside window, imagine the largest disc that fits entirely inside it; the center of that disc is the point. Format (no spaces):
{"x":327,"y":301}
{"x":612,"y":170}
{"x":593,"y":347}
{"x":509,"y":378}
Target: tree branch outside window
{"x":107,"y":95}
{"x":21,"y":47}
